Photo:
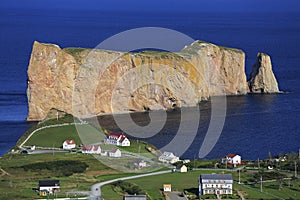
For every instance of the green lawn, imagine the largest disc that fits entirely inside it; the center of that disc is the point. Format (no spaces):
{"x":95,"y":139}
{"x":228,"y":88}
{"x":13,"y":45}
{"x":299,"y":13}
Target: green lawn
{"x":189,"y":182}
{"x":19,"y":183}
{"x":50,"y":137}
{"x":153,"y":184}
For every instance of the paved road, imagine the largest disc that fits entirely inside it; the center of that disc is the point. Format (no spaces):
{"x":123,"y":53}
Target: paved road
{"x":176,"y":196}
{"x":96,"y":188}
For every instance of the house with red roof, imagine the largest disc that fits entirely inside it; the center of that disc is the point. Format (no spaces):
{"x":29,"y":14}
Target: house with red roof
{"x":69,"y":144}
{"x":91,"y":149}
{"x":118,"y":139}
{"x":233,"y":159}
{"x":103,"y":153}
{"x":115,"y":153}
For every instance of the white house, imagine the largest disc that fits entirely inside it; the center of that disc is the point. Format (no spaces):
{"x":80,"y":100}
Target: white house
{"x":181,"y":168}
{"x":48,"y":187}
{"x":115,"y":153}
{"x":69,"y":144}
{"x":91,"y":149}
{"x":233,"y":159}
{"x":168,"y":157}
{"x":103,"y":153}
{"x":118,"y":139}
{"x":215,"y":184}
{"x":167,"y":187}
{"x":140,"y":164}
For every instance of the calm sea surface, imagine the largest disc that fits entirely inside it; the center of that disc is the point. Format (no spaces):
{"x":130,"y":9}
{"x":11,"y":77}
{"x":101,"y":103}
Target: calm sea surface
{"x":255,"y":124}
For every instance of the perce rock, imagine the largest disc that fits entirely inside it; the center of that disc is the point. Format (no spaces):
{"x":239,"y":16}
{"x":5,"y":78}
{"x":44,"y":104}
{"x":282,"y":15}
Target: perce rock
{"x":86,"y":82}
{"x":262,"y":78}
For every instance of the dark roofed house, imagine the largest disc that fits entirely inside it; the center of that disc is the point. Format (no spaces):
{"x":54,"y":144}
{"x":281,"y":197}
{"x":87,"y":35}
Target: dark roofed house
{"x":181,"y":168}
{"x":135,"y":197}
{"x":48,"y":186}
{"x":215,"y":184}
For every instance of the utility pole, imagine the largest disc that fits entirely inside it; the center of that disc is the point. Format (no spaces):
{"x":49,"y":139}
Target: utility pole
{"x":296,"y":169}
{"x":239,"y":176}
{"x":53,"y":149}
{"x":258,"y":163}
{"x":261,"y":181}
{"x":139,"y":149}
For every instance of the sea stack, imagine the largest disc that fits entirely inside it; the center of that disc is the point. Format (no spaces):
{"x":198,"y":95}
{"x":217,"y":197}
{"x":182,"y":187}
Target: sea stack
{"x":262,"y":78}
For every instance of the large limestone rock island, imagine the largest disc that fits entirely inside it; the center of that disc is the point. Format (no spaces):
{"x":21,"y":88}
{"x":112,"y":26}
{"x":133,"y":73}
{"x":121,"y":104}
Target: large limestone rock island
{"x":86,"y":82}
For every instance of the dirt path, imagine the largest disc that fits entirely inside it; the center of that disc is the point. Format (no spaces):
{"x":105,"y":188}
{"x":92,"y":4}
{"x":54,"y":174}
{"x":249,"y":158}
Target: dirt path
{"x":4,"y":172}
{"x":241,"y":194}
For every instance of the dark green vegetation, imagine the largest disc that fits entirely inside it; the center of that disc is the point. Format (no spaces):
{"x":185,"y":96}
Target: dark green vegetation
{"x":59,"y":168}
{"x":122,"y":187}
{"x":74,"y":51}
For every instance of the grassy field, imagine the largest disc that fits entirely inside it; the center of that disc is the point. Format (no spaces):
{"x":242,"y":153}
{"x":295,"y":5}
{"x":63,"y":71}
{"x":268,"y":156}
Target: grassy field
{"x":19,"y":183}
{"x":189,"y":182}
{"x":50,"y":137}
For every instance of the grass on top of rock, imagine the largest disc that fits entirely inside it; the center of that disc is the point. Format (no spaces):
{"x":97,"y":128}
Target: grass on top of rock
{"x":74,"y":50}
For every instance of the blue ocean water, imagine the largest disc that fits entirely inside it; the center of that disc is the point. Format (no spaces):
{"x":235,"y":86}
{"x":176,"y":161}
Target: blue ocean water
{"x":255,"y":124}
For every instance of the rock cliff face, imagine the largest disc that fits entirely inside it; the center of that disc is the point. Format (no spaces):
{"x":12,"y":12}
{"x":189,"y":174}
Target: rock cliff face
{"x":86,"y":82}
{"x":262,"y":79}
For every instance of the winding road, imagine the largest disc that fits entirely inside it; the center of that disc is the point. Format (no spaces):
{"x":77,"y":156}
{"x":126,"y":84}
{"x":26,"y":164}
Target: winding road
{"x":96,"y":188}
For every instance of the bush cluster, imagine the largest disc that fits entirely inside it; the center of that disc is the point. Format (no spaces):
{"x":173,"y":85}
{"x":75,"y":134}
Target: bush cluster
{"x":58,"y":168}
{"x":129,"y":187}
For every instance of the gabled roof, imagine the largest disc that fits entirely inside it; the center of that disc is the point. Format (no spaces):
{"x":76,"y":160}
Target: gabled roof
{"x":122,"y":138}
{"x":168,"y":154}
{"x":95,"y":148}
{"x":216,"y":176}
{"x":47,"y":183}
{"x":70,"y":142}
{"x":231,"y":155}
{"x":114,"y":150}
{"x":115,"y":135}
{"x":179,"y":166}
{"x":87,"y":148}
